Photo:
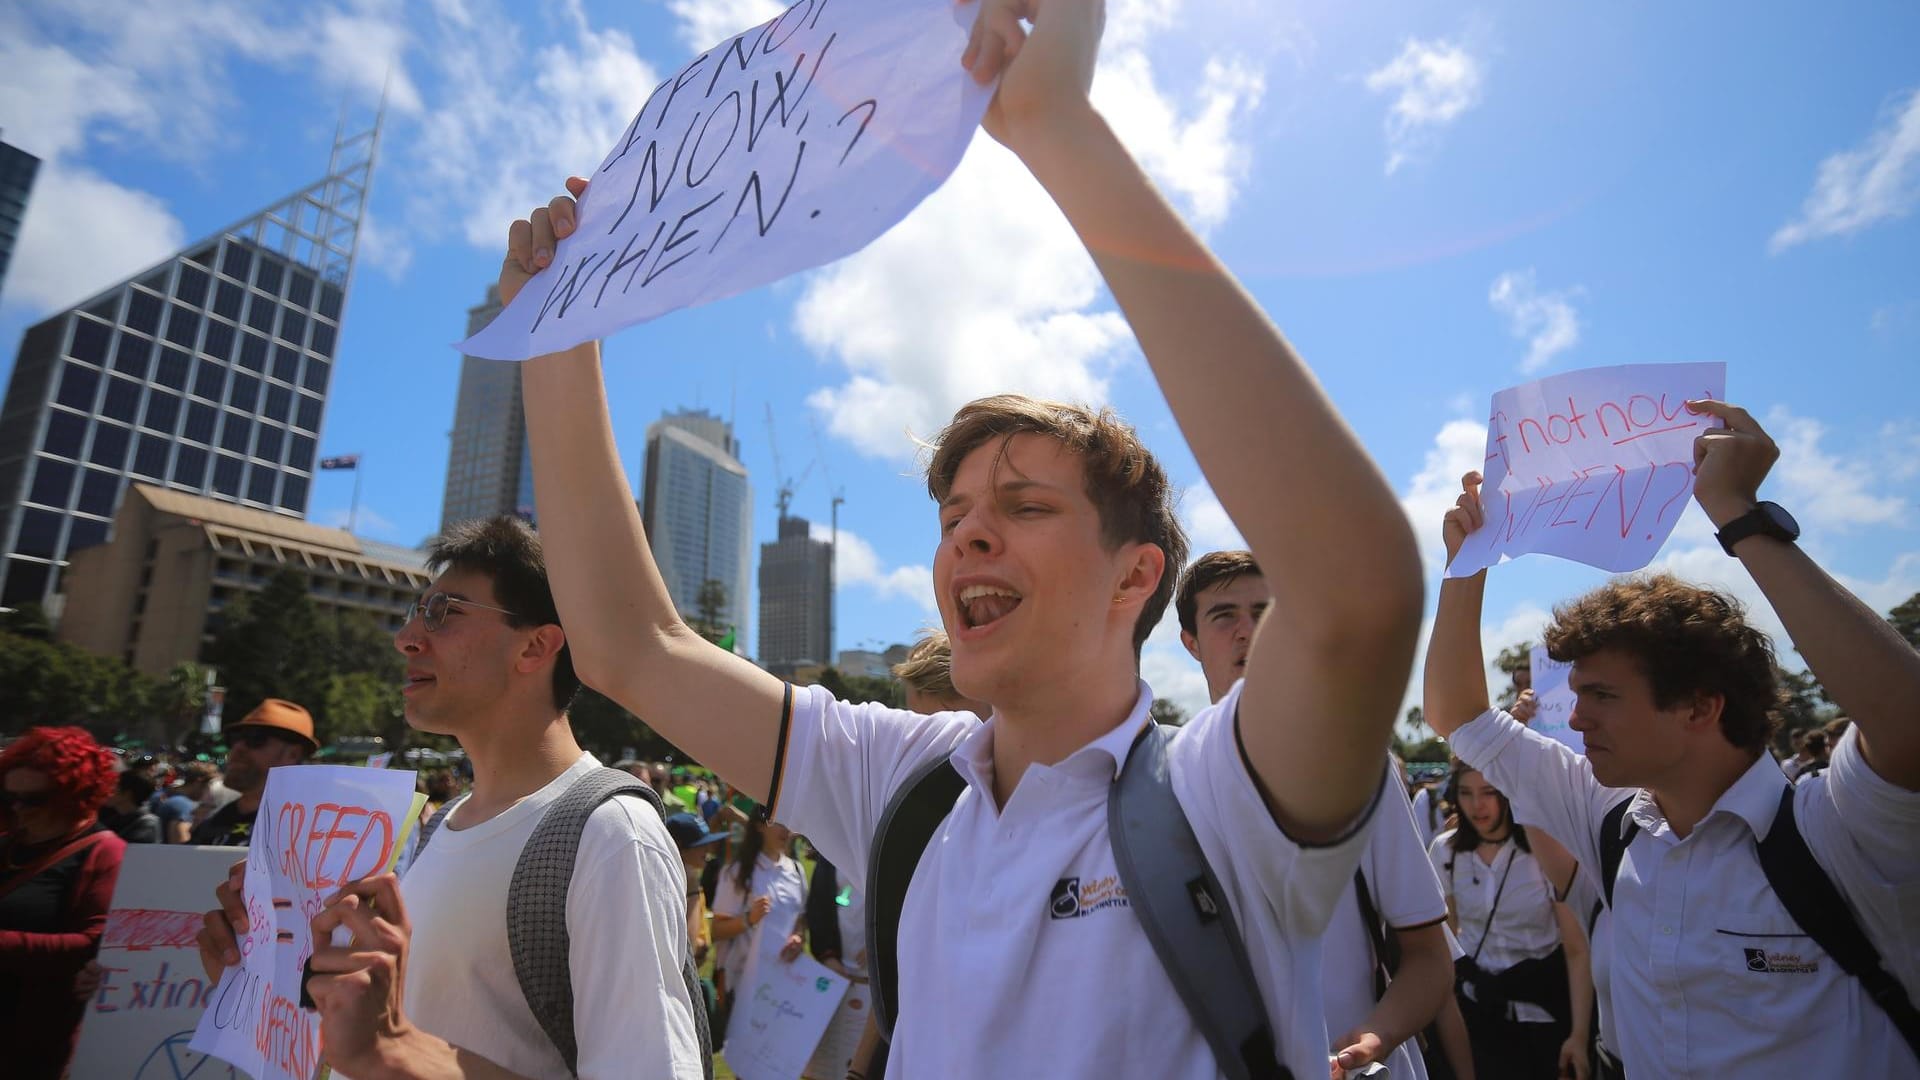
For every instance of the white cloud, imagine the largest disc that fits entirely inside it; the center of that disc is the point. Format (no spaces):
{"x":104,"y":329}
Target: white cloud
{"x":82,"y":233}
{"x":383,"y":249}
{"x":509,"y":123}
{"x":1546,"y":321}
{"x":1173,"y":674}
{"x":1209,"y":528}
{"x":706,"y":23}
{"x":1877,"y":181}
{"x":1834,"y":492}
{"x":985,"y":289}
{"x":366,"y":521}
{"x":1459,"y":447}
{"x":1434,"y":83}
{"x":857,"y":565}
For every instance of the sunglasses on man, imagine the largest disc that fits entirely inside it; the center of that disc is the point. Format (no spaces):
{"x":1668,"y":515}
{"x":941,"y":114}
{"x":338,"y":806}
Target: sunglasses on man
{"x":255,"y":738}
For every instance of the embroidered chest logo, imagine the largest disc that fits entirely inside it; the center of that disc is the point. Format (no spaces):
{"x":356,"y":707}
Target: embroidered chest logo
{"x":1075,"y":897}
{"x":1780,"y":963}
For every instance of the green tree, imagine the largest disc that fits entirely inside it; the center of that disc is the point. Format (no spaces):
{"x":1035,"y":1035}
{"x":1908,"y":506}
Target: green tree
{"x":860,"y":688}
{"x":1803,"y":706}
{"x":1512,"y":660}
{"x":361,"y":703}
{"x":182,"y":700}
{"x":1906,"y":619}
{"x":27,"y":621}
{"x":1165,"y":711}
{"x":45,"y":682}
{"x":1419,"y":743}
{"x":608,"y":730}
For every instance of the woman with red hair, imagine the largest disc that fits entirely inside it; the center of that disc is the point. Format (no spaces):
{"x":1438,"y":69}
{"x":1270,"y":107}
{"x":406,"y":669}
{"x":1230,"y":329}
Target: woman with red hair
{"x":58,"y":866}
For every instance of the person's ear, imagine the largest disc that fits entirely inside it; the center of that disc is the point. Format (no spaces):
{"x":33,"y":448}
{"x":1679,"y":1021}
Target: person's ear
{"x":1145,"y":565}
{"x":542,"y":648}
{"x":1192,"y":643}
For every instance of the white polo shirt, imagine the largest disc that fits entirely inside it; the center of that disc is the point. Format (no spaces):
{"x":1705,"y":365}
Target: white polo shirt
{"x":1019,"y":956}
{"x":1704,"y":972}
{"x":1406,"y":896}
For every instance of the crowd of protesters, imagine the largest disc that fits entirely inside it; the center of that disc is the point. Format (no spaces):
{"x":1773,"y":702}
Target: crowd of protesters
{"x":1544,"y":913}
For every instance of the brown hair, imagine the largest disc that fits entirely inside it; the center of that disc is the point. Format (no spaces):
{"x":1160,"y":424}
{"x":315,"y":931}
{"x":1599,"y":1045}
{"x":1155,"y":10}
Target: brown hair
{"x":507,"y":551}
{"x":1213,"y":568}
{"x":1123,"y":479}
{"x":1688,"y":640}
{"x":928,"y":668}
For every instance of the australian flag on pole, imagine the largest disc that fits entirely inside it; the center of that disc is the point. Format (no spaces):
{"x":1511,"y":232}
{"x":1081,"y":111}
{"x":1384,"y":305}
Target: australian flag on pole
{"x":344,"y":461}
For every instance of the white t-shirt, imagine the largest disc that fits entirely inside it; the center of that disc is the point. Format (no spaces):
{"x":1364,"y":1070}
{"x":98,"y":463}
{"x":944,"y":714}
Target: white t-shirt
{"x":1703,"y":971}
{"x":1019,"y":956}
{"x":1514,"y":893}
{"x":1407,"y":896}
{"x":627,"y":926}
{"x":779,"y":879}
{"x":1427,"y":818}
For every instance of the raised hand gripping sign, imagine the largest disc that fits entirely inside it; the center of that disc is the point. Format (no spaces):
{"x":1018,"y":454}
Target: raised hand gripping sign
{"x":789,"y":146}
{"x":1594,"y":466}
{"x":319,"y":827}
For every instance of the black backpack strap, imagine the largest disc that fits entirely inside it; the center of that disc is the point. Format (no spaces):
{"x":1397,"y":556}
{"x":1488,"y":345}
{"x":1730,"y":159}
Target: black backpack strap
{"x":1185,"y":914}
{"x":1813,"y":901}
{"x":906,"y":828}
{"x":537,"y":935}
{"x":1613,"y":846}
{"x":1386,"y":954}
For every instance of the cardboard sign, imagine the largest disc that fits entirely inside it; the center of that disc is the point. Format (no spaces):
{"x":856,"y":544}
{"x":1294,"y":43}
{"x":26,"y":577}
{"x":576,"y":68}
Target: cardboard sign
{"x":786,"y":147}
{"x":781,"y":1012}
{"x":319,"y":827}
{"x":152,"y":991}
{"x":1554,"y":699}
{"x":1594,"y":466}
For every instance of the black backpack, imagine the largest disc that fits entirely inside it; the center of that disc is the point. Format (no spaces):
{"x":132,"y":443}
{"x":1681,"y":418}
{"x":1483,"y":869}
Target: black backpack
{"x":1808,"y":894}
{"x":537,"y":933}
{"x":1169,"y":885}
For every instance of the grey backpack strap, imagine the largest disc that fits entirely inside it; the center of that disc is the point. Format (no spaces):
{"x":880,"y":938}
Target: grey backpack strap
{"x":537,"y":934}
{"x":906,"y":828}
{"x":1184,"y":911}
{"x":432,"y":824}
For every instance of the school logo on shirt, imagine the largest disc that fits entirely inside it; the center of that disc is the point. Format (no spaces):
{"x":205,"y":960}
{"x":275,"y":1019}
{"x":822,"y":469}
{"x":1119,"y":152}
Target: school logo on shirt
{"x":1073,"y":897}
{"x":1779,"y":963}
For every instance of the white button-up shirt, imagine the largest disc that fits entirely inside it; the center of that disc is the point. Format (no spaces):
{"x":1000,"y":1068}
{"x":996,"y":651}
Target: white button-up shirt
{"x":1019,"y":956}
{"x":1705,"y":973}
{"x":1505,"y":910}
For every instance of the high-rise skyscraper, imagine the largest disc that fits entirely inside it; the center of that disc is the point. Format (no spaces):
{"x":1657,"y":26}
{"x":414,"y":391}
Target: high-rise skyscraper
{"x":796,"y":596}
{"x":489,"y":464}
{"x":17,"y":168}
{"x":207,"y":373}
{"x":698,"y":509}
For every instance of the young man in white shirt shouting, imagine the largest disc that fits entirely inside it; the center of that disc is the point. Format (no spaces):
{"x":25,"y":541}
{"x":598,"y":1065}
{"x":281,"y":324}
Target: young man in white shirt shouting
{"x":1056,"y":555}
{"x":1220,"y":603}
{"x":1702,"y":968}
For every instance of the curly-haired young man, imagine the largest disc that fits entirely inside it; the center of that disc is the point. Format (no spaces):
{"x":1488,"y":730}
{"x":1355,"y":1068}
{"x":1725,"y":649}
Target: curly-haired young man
{"x":1701,"y":968}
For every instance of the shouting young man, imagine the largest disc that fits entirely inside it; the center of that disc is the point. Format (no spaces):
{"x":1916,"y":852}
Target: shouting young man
{"x":1056,"y":555}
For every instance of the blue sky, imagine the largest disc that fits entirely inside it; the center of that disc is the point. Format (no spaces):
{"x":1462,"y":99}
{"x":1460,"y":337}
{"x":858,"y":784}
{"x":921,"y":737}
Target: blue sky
{"x":1434,"y":201}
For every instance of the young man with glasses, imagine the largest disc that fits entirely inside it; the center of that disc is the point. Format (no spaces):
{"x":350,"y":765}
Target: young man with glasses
{"x":487,"y":663}
{"x":275,"y":733}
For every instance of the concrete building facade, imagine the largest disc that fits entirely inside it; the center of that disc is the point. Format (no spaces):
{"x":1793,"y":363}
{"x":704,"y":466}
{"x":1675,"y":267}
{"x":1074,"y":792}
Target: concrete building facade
{"x":153,"y":595}
{"x":489,"y":462}
{"x":796,"y":598}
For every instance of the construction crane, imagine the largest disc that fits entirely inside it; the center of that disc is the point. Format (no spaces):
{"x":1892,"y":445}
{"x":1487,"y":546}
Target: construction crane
{"x":839,"y":496}
{"x":783,"y":493}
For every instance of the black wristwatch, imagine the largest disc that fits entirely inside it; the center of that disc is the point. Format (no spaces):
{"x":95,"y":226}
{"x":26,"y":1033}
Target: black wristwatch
{"x":1765,"y":519}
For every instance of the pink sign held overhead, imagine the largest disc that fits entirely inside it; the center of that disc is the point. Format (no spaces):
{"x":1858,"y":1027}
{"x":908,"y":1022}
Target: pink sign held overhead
{"x":1595,"y":466}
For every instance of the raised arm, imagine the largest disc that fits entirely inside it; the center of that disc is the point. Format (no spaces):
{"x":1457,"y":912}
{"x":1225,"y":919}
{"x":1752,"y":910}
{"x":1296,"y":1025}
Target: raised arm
{"x":628,"y":641}
{"x":1348,"y":583}
{"x":1864,"y":665}
{"x":1454,"y":690}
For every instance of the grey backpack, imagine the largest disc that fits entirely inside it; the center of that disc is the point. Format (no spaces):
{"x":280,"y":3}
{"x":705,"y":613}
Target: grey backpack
{"x":1170,"y":888}
{"x":537,"y":909}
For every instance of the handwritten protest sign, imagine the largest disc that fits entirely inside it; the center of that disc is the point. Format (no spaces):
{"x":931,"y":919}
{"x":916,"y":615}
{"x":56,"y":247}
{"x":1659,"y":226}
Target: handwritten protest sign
{"x":379,"y":761}
{"x":836,"y":1048}
{"x":1594,"y":466}
{"x":139,"y":1022}
{"x":320,"y":827}
{"x":781,"y":1012}
{"x":788,"y":146}
{"x":1553,"y":709}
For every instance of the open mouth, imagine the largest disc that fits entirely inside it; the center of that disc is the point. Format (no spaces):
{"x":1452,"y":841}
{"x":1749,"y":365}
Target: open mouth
{"x":984,"y":605}
{"x":415,"y":682}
